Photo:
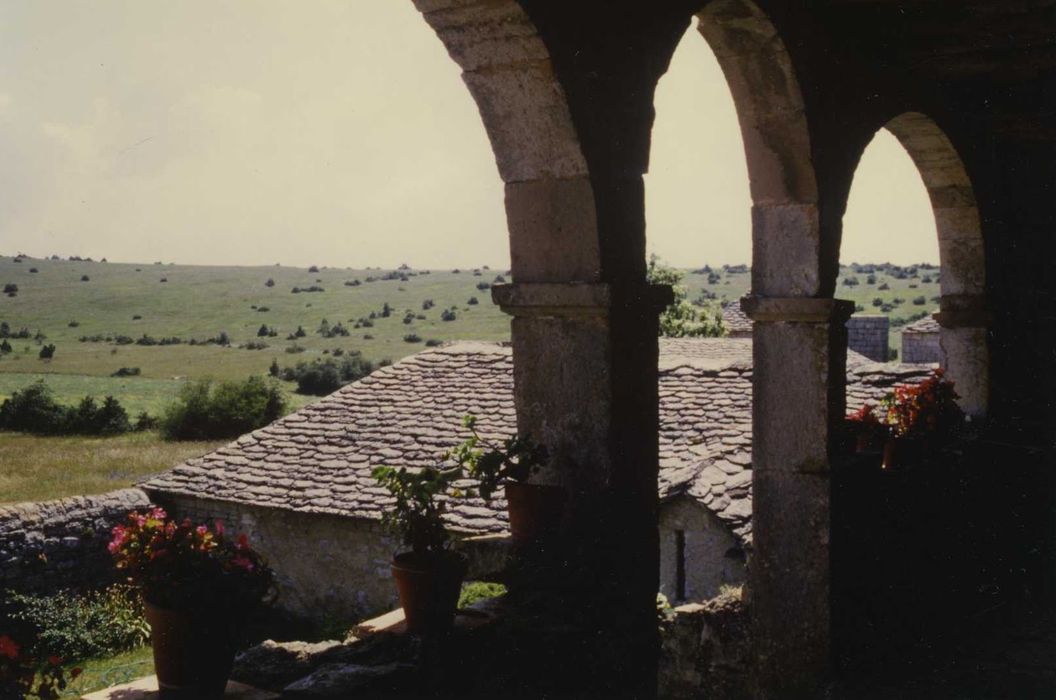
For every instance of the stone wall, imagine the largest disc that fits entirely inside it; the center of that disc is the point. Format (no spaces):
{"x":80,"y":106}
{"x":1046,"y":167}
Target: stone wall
{"x":705,"y":650}
{"x":868,"y":335}
{"x":712,"y":556}
{"x":328,"y":567}
{"x":50,"y":545}
{"x":921,"y":348}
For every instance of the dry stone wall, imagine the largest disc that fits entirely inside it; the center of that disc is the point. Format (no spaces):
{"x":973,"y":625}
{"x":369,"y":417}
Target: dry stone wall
{"x":57,"y":544}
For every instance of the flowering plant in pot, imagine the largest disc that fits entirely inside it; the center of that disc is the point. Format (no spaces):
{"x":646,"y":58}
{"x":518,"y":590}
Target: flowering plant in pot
{"x":429,"y":575}
{"x":23,"y":674}
{"x":534,"y":509}
{"x":198,"y":587}
{"x":921,"y":417}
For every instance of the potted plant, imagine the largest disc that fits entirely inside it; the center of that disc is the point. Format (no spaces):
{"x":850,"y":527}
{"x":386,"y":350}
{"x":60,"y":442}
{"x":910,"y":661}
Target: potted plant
{"x":922,"y":418}
{"x":198,"y":588}
{"x":428,"y":576}
{"x":535,"y":510}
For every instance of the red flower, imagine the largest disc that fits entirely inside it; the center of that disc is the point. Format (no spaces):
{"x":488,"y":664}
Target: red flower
{"x":8,"y":647}
{"x":54,"y":660}
{"x":76,"y":671}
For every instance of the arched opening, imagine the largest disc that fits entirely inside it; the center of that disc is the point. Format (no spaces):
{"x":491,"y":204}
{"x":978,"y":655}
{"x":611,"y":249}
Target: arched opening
{"x":963,"y":310}
{"x":928,"y":210}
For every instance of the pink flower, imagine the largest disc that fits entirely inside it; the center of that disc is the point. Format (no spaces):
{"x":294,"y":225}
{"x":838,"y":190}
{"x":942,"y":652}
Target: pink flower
{"x":219,"y":527}
{"x":242,"y":563}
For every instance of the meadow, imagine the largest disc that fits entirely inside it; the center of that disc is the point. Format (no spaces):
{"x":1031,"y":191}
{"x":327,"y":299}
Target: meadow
{"x":67,"y":300}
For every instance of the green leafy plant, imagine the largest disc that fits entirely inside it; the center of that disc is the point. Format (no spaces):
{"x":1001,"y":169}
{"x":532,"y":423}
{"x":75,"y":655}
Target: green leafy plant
{"x":417,"y":515}
{"x":83,"y":625}
{"x":205,"y":410}
{"x":682,"y":319}
{"x":476,"y":591}
{"x":493,"y":463}
{"x":25,"y":675}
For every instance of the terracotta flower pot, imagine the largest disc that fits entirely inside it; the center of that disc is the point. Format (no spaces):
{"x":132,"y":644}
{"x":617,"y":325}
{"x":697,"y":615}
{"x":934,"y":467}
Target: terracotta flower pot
{"x":193,"y":651}
{"x":429,"y":588}
{"x":535,"y":510}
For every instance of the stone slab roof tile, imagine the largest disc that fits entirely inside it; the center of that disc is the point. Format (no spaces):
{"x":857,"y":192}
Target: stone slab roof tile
{"x":924,"y":325}
{"x":319,"y":459}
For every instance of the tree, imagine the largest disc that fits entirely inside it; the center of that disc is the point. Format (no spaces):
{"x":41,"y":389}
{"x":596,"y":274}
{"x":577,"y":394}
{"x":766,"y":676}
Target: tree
{"x":681,"y":319}
{"x":47,"y":352}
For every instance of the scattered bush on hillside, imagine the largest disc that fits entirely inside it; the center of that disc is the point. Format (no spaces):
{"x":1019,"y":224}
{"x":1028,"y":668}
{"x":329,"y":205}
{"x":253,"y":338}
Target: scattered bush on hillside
{"x":208,"y":410}
{"x":352,"y":283}
{"x":35,"y":410}
{"x":472,"y":301}
{"x":145,"y":421}
{"x":682,"y":319}
{"x":433,"y":342}
{"x":313,"y":288}
{"x":82,"y":625}
{"x":483,"y":286}
{"x":325,"y":376}
{"x":5,"y":347}
{"x":47,"y":352}
{"x":448,"y":315}
{"x":714,"y":278}
{"x":871,"y":279}
{"x":85,"y":278}
{"x":164,"y":279}
{"x":877,"y":301}
{"x":313,"y":268}
{"x":884,"y":287}
{"x":386,"y":310}
{"x":265,"y":332}
{"x":11,"y":289}
{"x":368,"y":336}
{"x":34,"y":270}
{"x":919,"y":301}
{"x":254,"y":345}
{"x":73,"y":324}
{"x":428,"y":304}
{"x":850,"y":281}
{"x":269,"y":283}
{"x":338,"y":330}
{"x":262,"y":309}
{"x":412,"y":338}
{"x":126,"y":372}
{"x":294,"y":349}
{"x":137,"y":317}
{"x":926,"y":279}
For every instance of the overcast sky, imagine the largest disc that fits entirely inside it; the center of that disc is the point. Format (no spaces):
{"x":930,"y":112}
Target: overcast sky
{"x":333,"y":133}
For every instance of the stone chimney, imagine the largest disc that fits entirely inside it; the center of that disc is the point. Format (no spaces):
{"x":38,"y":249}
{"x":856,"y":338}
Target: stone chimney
{"x":868,"y":335}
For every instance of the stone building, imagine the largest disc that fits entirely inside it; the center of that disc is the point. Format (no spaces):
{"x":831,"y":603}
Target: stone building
{"x":735,"y":322}
{"x":310,"y":472}
{"x":920,"y":341}
{"x":868,"y":335}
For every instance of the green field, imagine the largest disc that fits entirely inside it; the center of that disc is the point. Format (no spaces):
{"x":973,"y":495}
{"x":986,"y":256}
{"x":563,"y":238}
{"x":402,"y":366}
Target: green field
{"x":34,"y":468}
{"x":200,"y":302}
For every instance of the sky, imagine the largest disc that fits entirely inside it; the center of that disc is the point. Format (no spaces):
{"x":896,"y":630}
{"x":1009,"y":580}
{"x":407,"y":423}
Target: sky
{"x":335,"y":132}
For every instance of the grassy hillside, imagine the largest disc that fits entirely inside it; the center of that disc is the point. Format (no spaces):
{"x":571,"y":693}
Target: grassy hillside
{"x":199,"y":302}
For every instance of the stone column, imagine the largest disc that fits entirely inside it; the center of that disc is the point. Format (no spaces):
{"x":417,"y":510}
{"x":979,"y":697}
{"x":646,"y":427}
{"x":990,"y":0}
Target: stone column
{"x":800,"y":352}
{"x":585,"y":384}
{"x":963,"y":321}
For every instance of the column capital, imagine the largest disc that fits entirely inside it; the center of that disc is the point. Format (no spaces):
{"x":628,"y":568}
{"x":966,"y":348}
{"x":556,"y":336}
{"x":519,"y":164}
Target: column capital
{"x":796,"y":309}
{"x":577,"y":299}
{"x":962,"y":311}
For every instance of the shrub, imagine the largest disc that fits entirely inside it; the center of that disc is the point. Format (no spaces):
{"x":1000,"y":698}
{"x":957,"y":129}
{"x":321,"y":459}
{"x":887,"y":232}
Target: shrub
{"x":269,"y":283}
{"x":919,"y":301}
{"x":11,"y":289}
{"x":255,"y":345}
{"x":681,"y":319}
{"x":352,"y":283}
{"x":136,"y":317}
{"x":313,"y":268}
{"x":483,"y":286}
{"x":47,"y":352}
{"x":433,"y":342}
{"x":871,"y":279}
{"x":448,"y":315}
{"x":878,"y":301}
{"x":368,"y":336}
{"x":79,"y":626}
{"x":34,"y":270}
{"x":884,"y":287}
{"x":262,"y":309}
{"x":322,"y":377}
{"x":85,"y":278}
{"x":88,"y":418}
{"x":206,"y":410}
{"x":412,"y":338}
{"x":294,"y":349}
{"x":273,"y":369}
{"x":475,"y":591}
{"x":164,"y":279}
{"x":850,"y":281}
{"x":427,"y":304}
{"x":145,"y":421}
{"x":126,"y":372}
{"x":5,"y":347}
{"x":33,"y":410}
{"x":472,"y":301}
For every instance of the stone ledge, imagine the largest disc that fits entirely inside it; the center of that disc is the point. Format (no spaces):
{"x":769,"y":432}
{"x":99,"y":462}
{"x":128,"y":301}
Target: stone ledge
{"x":796,"y":309}
{"x":576,"y":298}
{"x":147,"y":689}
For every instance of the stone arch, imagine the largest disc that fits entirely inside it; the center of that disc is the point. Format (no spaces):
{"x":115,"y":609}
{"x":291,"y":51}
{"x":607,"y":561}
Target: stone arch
{"x":507,"y":68}
{"x":962,"y":310}
{"x":786,"y":239}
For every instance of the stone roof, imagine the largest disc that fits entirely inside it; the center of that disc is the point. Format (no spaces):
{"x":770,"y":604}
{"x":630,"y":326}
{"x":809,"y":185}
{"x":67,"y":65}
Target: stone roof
{"x":924,"y":325}
{"x":736,"y":321}
{"x":319,"y":459}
